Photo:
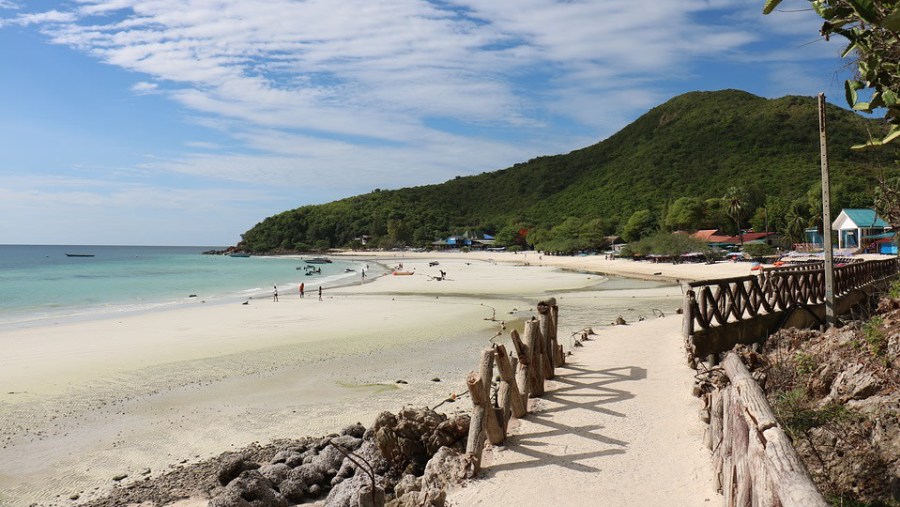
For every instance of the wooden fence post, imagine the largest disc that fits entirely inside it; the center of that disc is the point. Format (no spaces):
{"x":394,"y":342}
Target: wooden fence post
{"x":491,"y":426}
{"x":523,"y":374}
{"x":547,"y":349}
{"x":533,"y":341}
{"x":516,"y":403}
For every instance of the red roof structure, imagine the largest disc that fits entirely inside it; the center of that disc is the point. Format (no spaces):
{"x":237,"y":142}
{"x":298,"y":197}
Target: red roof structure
{"x":710,"y":236}
{"x":748,"y":236}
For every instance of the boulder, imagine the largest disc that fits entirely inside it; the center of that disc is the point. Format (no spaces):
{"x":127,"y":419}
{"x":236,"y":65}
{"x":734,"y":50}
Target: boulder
{"x":233,"y":467}
{"x":354,"y":430}
{"x":356,"y":492}
{"x":853,"y":383}
{"x":275,"y":473}
{"x":293,"y":490}
{"x":249,"y":489}
{"x":306,"y":476}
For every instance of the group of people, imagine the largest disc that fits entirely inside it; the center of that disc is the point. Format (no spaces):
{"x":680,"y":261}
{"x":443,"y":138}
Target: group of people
{"x":302,"y":292}
{"x":303,"y":287}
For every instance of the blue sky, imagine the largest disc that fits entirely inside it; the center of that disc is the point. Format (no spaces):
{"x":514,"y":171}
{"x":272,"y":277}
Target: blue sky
{"x":185,"y":122}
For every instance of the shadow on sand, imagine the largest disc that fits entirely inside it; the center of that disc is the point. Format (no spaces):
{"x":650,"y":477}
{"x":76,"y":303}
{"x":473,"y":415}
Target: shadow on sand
{"x":579,"y":389}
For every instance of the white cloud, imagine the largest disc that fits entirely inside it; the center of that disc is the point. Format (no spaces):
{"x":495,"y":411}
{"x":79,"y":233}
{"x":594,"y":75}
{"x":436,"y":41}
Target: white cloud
{"x":53,"y":16}
{"x":385,"y":92}
{"x":144,"y":88}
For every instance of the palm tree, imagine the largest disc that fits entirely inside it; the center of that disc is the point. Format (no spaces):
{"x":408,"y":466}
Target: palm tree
{"x":737,"y":200}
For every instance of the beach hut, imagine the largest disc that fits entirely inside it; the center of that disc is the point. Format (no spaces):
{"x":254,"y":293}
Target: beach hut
{"x":853,"y":226}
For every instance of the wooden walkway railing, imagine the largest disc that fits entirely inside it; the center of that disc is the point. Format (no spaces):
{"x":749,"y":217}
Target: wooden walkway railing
{"x":728,"y":302}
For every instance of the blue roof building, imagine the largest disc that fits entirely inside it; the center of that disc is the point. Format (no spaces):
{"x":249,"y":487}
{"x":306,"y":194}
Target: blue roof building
{"x":857,"y":228}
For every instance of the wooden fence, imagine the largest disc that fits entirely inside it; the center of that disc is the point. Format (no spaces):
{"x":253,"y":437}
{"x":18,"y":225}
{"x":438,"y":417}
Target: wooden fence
{"x":720,"y":313}
{"x":538,"y":354}
{"x":754,"y":461}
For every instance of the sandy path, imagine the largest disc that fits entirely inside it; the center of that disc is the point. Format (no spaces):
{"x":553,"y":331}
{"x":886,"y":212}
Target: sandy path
{"x":617,"y":426}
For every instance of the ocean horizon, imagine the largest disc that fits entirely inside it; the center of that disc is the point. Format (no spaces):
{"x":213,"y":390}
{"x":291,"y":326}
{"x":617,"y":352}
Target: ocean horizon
{"x":40,"y":284}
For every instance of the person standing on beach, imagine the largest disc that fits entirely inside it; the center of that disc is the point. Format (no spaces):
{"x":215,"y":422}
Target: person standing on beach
{"x":320,"y":292}
{"x":275,"y":293}
{"x":301,"y":289}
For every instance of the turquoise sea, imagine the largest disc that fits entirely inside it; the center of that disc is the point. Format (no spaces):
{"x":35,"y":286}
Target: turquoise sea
{"x":40,"y":284}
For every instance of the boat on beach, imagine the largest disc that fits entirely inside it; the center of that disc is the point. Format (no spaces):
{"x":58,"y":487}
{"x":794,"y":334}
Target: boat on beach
{"x":78,"y":255}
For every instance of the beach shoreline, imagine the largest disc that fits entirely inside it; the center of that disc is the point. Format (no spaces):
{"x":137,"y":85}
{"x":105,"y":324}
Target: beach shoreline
{"x":88,"y":401}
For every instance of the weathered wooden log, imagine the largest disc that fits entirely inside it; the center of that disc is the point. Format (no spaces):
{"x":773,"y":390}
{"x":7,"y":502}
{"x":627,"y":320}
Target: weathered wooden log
{"x":743,"y":493}
{"x":523,"y":375}
{"x":546,"y":319}
{"x":508,"y":381}
{"x":752,"y":396}
{"x":790,"y":478}
{"x":792,"y":482}
{"x":504,"y":412}
{"x":475,"y":442}
{"x":492,"y":426}
{"x":536,"y":372}
{"x":554,"y":336}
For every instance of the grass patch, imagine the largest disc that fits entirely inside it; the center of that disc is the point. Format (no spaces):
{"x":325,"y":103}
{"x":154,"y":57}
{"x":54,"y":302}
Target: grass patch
{"x":798,"y":414}
{"x":873,"y":331}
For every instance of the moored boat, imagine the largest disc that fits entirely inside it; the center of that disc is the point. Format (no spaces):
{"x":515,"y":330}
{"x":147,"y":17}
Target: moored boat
{"x":236,"y":254}
{"x":318,"y":260}
{"x":78,"y":255}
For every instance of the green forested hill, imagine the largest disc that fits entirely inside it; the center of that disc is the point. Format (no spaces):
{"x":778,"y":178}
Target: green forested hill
{"x":697,"y":145}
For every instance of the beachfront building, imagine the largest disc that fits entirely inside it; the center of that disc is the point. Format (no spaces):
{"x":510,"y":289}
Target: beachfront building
{"x":468,"y":240}
{"x":859,"y":228}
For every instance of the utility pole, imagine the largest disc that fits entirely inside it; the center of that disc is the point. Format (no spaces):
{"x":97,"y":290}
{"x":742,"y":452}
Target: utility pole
{"x":826,"y":219}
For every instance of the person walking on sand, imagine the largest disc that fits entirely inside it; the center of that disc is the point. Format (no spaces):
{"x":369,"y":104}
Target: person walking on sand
{"x":275,"y":293}
{"x":320,"y":292}
{"x":301,"y":289}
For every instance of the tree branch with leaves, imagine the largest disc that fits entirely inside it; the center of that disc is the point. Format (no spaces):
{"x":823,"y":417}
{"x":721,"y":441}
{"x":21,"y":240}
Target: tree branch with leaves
{"x":872,"y":28}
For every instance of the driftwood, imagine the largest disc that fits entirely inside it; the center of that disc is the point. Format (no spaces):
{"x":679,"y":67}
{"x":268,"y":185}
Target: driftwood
{"x":754,"y":461}
{"x":495,"y":433}
{"x":523,"y":374}
{"x":548,"y":350}
{"x":521,"y":377}
{"x":508,"y":382}
{"x":533,"y":341}
{"x":475,"y":442}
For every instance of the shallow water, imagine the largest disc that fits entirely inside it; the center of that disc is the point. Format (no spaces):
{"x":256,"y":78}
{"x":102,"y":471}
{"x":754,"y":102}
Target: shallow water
{"x":39,"y":283}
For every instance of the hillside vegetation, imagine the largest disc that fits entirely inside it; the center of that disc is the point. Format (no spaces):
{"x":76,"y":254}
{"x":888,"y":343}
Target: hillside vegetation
{"x":697,"y":145}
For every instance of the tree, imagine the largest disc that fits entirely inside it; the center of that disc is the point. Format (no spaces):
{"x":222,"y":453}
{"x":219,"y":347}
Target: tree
{"x":737,"y":208}
{"x":796,"y":221}
{"x":686,"y":213}
{"x":640,"y":224}
{"x":871,"y":28}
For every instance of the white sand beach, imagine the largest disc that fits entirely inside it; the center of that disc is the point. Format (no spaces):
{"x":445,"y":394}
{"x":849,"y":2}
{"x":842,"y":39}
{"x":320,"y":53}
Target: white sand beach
{"x":82,"y":402}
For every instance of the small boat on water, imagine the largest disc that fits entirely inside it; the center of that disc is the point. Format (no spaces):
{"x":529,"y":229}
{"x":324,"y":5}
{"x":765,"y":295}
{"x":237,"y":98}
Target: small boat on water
{"x":239,"y":255}
{"x":78,"y":255}
{"x":318,"y":260}
{"x":348,"y":270}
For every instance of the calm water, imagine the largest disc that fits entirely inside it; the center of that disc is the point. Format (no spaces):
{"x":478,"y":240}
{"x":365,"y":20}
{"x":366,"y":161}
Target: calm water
{"x":39,"y":283}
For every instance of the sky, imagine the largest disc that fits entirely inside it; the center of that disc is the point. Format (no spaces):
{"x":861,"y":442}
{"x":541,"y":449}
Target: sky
{"x":186,"y":122}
